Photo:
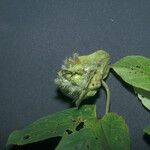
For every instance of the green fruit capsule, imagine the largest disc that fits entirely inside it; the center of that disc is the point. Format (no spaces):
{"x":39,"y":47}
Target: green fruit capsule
{"x":81,"y":76}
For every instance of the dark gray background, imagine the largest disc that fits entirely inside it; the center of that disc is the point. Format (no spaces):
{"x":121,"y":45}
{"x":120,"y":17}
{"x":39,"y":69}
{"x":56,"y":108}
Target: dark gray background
{"x":36,"y":36}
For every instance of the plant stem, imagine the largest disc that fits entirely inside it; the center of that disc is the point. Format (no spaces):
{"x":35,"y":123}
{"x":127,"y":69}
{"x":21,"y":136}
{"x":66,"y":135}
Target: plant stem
{"x":107,"y":96}
{"x":78,"y":102}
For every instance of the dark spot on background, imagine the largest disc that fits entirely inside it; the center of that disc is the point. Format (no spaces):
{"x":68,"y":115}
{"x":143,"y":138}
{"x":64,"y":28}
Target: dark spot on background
{"x":49,"y":144}
{"x":146,"y":138}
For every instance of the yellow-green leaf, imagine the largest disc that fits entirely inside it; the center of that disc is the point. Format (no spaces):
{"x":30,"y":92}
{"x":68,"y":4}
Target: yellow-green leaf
{"x":144,"y":96}
{"x":134,"y":70}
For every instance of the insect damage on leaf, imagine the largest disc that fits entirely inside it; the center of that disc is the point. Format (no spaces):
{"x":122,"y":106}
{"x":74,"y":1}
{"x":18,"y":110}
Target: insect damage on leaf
{"x":109,"y":133}
{"x":81,"y":76}
{"x":134,"y":70}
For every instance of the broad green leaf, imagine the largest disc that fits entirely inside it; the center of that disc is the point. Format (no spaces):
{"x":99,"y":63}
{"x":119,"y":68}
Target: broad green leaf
{"x":79,"y":128}
{"x":144,"y":96}
{"x":52,"y":125}
{"x":109,"y":133}
{"x":134,"y":70}
{"x":147,"y":130}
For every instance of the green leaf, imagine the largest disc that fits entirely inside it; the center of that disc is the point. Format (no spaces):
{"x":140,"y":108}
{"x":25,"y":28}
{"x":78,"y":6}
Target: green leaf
{"x":147,"y":130}
{"x":52,"y":125}
{"x":134,"y":70}
{"x":79,"y":128}
{"x":144,"y":96}
{"x":109,"y":133}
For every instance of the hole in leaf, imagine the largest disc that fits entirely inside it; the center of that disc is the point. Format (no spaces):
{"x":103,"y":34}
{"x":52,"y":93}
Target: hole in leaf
{"x":131,"y":68}
{"x":26,"y":137}
{"x":54,"y":132}
{"x":80,"y":126}
{"x":93,"y":84}
{"x":68,"y":131}
{"x":73,"y":120}
{"x":96,"y":138}
{"x":87,"y":146}
{"x":137,"y":66}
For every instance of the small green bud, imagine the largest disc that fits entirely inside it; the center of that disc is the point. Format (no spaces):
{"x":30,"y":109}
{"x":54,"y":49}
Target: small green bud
{"x":80,"y":76}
